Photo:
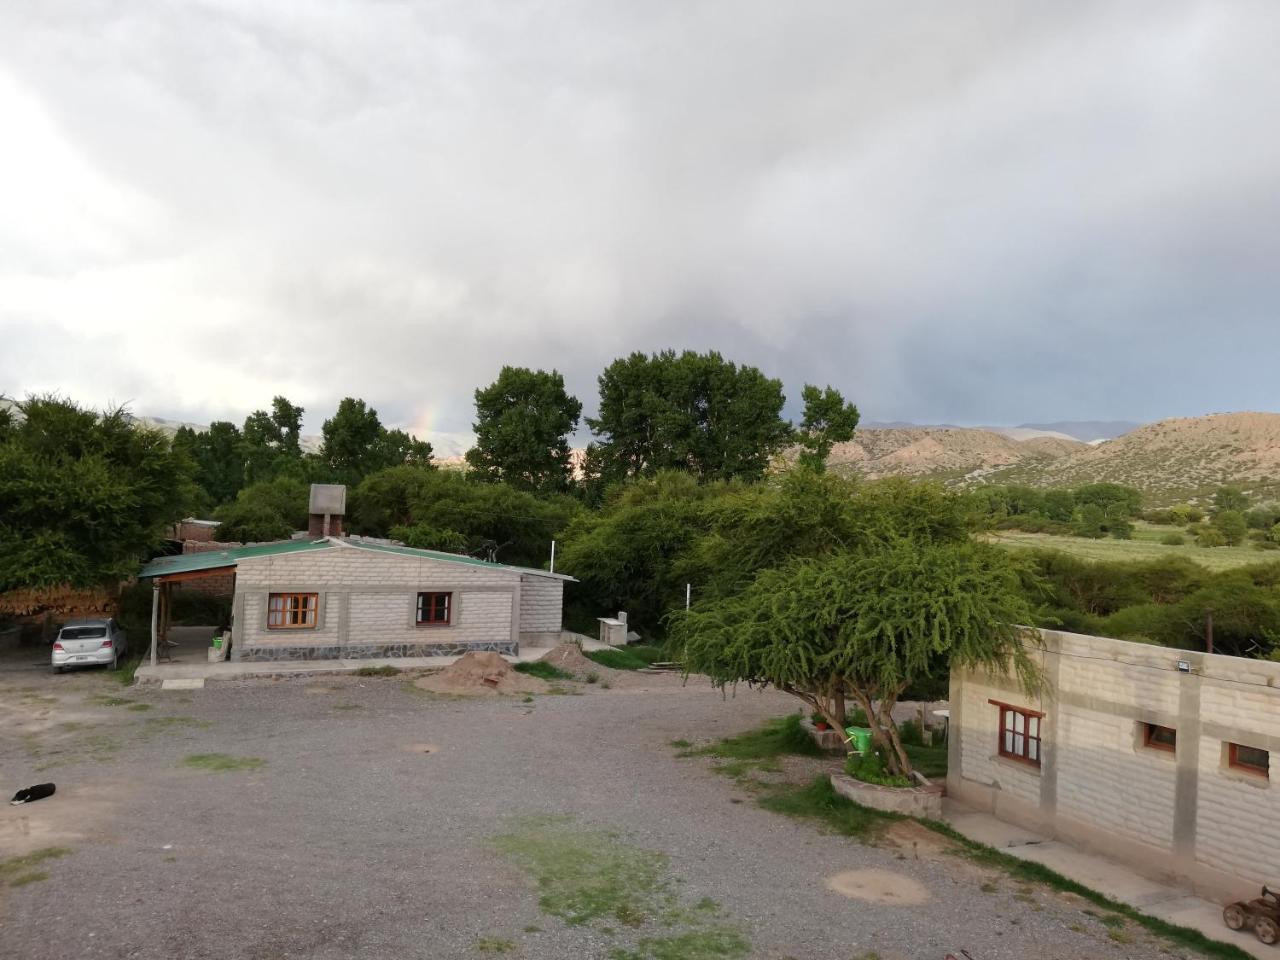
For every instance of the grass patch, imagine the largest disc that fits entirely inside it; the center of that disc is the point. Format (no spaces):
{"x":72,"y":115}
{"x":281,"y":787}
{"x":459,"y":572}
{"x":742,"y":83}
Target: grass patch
{"x":593,"y":877}
{"x":221,"y":762}
{"x":634,"y":657}
{"x":19,"y":871}
{"x":930,"y":761}
{"x":819,"y":801}
{"x":779,"y":737}
{"x":347,"y":706}
{"x":494,"y":945}
{"x":105,"y":701}
{"x":1145,"y":545}
{"x":386,"y":670}
{"x":125,"y":672}
{"x":544,"y":671}
{"x":138,"y":707}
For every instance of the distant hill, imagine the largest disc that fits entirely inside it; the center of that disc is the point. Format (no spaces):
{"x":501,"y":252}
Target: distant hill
{"x":1172,"y":458}
{"x":1086,"y":430}
{"x":955,"y":454}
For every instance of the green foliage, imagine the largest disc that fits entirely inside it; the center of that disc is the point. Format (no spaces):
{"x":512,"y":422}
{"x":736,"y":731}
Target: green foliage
{"x":445,"y":510}
{"x":357,"y":444}
{"x":637,"y":656}
{"x":827,"y":420}
{"x":545,"y":671}
{"x":266,"y":510}
{"x":1210,"y":536}
{"x":222,"y":762}
{"x":1173,"y":539}
{"x":869,"y":768}
{"x":783,"y":736}
{"x":869,"y":621}
{"x":1087,"y":522}
{"x":1111,"y":497}
{"x":693,"y":412}
{"x":269,"y":443}
{"x":1185,"y":513}
{"x":1230,"y":498}
{"x":1264,"y":517}
{"x":523,"y":422}
{"x":218,"y":458}
{"x":1232,"y":525}
{"x":819,"y":801}
{"x":83,"y":496}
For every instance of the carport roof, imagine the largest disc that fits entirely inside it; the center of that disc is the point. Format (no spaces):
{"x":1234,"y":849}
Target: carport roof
{"x":227,"y":559}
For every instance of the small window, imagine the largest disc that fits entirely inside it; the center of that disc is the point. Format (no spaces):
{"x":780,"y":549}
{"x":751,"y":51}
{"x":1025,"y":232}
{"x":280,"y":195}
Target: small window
{"x":292,"y":611}
{"x":434,"y":609}
{"x":1019,"y":734}
{"x":1249,"y":759}
{"x":1159,"y":738}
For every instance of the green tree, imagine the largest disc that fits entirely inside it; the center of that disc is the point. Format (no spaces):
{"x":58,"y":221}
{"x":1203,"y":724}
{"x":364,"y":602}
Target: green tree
{"x":827,"y":420}
{"x":1245,"y":616}
{"x":694,"y":412}
{"x":1230,"y":498}
{"x":357,"y":444}
{"x":83,"y":496}
{"x":271,"y":441}
{"x":1088,"y":522}
{"x":1231,"y":524}
{"x":523,"y":423}
{"x":1210,"y":536}
{"x":1114,"y":498}
{"x":865,"y":625}
{"x":1118,"y":525}
{"x":218,"y":456}
{"x":250,"y":521}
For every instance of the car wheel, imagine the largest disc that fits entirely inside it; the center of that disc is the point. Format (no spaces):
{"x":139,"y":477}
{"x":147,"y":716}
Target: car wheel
{"x":1233,"y":916}
{"x":1266,"y":930}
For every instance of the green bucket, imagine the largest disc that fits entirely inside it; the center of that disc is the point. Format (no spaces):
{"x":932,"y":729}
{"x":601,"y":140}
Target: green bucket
{"x":859,"y":738}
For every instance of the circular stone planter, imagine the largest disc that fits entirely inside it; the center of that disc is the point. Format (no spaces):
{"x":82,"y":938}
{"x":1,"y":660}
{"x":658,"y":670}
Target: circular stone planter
{"x":912,"y":801}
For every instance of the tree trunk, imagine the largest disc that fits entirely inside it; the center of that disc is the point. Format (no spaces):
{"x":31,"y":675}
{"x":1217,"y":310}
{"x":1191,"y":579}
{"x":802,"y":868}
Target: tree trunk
{"x":884,"y":734}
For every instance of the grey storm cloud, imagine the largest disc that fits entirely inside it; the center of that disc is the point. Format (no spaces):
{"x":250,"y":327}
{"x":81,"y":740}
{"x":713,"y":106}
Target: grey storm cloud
{"x":979,"y":212}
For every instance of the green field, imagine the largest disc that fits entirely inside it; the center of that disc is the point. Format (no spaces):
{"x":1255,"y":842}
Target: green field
{"x":1145,"y":545}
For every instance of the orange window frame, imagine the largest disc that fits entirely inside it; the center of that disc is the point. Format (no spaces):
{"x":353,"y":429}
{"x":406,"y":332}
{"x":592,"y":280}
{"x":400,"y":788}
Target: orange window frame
{"x":1018,"y":737}
{"x":427,"y":603}
{"x":1254,"y":769}
{"x":1149,"y":733}
{"x":292,"y":611}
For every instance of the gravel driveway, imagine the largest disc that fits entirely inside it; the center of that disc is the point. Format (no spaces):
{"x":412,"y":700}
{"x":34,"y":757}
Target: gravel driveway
{"x":370,"y":830}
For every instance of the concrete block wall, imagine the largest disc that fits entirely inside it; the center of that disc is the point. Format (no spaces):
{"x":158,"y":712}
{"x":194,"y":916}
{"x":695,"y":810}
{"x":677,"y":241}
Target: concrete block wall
{"x":1182,"y":814}
{"x":369,"y":598}
{"x":541,"y":604}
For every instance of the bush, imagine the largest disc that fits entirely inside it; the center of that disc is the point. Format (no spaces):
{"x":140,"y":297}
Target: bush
{"x":1231,"y":524}
{"x":1209,"y":536}
{"x":1173,"y":539}
{"x":1185,"y":513}
{"x":869,"y":768}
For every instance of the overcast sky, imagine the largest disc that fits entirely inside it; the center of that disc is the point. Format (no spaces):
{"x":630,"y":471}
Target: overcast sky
{"x":970,"y":212}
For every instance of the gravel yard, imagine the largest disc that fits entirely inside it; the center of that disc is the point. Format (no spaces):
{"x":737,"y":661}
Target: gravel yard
{"x":383,"y":821}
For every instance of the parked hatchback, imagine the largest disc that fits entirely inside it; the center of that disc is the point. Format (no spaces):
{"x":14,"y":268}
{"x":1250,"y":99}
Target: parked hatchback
{"x":82,"y":643}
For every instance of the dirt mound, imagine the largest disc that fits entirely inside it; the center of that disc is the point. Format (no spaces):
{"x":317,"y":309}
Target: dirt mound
{"x":480,"y":674}
{"x":570,"y":658}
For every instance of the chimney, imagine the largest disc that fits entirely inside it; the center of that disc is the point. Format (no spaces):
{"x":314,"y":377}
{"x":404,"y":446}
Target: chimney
{"x":328,"y":504}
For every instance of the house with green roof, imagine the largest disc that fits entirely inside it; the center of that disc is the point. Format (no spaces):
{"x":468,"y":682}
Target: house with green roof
{"x":345,"y":597}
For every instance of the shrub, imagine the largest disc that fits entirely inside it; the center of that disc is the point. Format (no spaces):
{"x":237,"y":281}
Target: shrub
{"x":1184,"y":513}
{"x":869,"y":768}
{"x":1173,"y":539}
{"x":1210,"y":537}
{"x":1231,"y":524}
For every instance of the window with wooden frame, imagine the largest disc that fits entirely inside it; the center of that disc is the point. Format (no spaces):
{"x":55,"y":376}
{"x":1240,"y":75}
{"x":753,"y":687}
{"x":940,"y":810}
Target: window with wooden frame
{"x":1019,"y":733}
{"x":434,"y":609}
{"x":1250,"y":760}
{"x":292,"y":611}
{"x":1159,"y":738}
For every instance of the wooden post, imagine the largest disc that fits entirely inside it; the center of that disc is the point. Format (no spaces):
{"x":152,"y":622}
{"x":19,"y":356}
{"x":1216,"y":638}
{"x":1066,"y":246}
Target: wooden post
{"x":155,"y":614}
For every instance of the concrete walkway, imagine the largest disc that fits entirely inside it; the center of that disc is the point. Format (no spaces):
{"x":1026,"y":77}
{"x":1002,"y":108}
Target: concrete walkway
{"x":193,"y":669}
{"x":1169,"y":903}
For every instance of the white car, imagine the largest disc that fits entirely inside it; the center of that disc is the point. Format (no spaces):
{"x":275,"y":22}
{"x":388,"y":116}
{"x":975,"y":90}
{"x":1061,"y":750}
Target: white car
{"x":83,"y":643}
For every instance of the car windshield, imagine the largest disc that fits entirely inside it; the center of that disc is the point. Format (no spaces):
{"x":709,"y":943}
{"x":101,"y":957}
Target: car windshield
{"x":83,"y":633}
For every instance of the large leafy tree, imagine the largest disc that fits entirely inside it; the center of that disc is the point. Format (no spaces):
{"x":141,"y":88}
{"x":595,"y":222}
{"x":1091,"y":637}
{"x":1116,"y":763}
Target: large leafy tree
{"x":357,"y":444}
{"x":523,"y":423}
{"x":83,"y":496}
{"x":267,"y":510}
{"x":218,"y":456}
{"x":865,"y":624}
{"x":688,"y":411}
{"x":827,"y":420}
{"x":271,"y":441}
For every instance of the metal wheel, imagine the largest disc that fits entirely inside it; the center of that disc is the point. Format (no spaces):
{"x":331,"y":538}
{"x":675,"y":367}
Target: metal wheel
{"x":1233,"y":916}
{"x":1267,"y":930}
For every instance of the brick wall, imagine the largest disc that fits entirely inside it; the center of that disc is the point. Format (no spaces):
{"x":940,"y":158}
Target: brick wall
{"x":1182,"y":814}
{"x":215,"y":584}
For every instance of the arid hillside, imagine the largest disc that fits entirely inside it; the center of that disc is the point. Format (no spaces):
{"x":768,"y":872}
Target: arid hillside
{"x":1182,"y":456}
{"x":955,"y":454}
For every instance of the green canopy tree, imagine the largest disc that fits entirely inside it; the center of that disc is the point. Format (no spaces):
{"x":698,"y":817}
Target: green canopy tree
{"x":688,"y":411}
{"x":83,"y":496}
{"x":1232,"y":525}
{"x":827,"y":420}
{"x":357,"y":444}
{"x":271,"y":441}
{"x":1230,"y":498}
{"x":523,"y":423}
{"x":865,"y":625}
{"x":219,"y":458}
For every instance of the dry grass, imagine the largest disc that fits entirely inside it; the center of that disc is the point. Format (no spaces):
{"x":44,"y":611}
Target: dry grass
{"x":1145,"y":545}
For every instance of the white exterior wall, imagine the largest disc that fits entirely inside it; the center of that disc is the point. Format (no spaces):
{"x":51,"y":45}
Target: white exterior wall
{"x":541,"y":604}
{"x":1183,"y":814}
{"x":370,"y":597}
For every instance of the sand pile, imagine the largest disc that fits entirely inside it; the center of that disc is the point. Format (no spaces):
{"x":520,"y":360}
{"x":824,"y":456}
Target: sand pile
{"x":480,"y":674}
{"x":570,"y":658}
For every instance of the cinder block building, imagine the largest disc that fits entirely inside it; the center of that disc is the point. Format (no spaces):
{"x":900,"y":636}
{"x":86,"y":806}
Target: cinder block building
{"x":1154,"y":756}
{"x":341,"y":598}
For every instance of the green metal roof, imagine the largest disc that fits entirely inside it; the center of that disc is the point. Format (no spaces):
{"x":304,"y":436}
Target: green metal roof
{"x":216,"y":559}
